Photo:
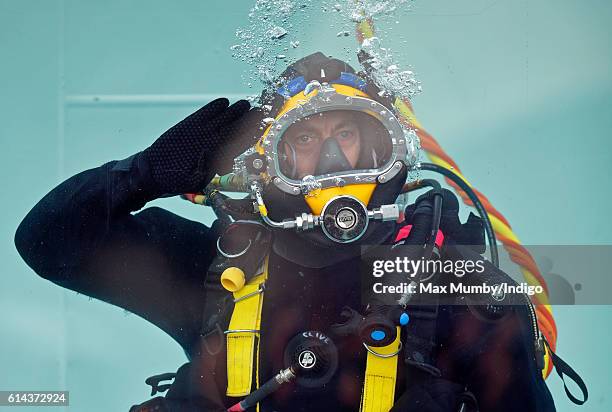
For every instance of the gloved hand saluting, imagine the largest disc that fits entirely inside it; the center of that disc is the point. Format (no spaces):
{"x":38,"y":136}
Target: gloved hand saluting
{"x":188,"y":155}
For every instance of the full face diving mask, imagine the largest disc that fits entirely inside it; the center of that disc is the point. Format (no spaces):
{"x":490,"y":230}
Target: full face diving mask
{"x":331,"y":146}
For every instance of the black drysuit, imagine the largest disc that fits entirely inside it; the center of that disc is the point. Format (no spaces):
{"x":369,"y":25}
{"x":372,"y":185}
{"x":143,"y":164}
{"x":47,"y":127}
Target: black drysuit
{"x":84,"y":236}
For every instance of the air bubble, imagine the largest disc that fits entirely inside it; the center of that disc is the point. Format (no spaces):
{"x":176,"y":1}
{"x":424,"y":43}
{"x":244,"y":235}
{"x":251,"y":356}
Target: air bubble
{"x":386,"y":73}
{"x":357,"y":17}
{"x":277,"y":32}
{"x":412,"y":149}
{"x":273,"y":30}
{"x":310,"y":185}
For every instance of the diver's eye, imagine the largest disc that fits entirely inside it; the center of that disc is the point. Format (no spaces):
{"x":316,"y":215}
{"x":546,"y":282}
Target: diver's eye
{"x":345,"y":136}
{"x":304,"y":139}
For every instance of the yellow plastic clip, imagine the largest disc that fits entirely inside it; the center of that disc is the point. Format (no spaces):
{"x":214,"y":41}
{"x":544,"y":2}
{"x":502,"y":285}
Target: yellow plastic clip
{"x":233,"y":279}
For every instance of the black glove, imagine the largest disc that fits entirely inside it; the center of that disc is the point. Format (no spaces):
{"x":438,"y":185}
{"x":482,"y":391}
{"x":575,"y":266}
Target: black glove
{"x":187,"y":156}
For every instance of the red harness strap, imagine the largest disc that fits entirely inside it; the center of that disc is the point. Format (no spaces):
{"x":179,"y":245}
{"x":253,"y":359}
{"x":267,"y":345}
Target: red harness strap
{"x":404,"y":232}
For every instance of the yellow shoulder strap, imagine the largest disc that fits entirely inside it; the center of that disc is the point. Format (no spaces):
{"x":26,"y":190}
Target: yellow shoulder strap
{"x":381,"y":372}
{"x":242,"y":336}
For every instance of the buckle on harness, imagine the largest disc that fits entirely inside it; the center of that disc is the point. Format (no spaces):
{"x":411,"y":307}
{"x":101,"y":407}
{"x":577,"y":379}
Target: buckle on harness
{"x":215,"y":332}
{"x":381,"y":355}
{"x":227,"y":332}
{"x":155,"y":380}
{"x":261,"y":289}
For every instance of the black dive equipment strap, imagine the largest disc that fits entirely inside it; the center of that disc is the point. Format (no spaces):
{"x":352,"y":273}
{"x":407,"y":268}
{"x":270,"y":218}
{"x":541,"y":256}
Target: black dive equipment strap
{"x":563,"y":369}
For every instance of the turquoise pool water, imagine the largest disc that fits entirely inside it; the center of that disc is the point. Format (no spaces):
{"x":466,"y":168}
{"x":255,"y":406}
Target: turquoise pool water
{"x":518,"y":93}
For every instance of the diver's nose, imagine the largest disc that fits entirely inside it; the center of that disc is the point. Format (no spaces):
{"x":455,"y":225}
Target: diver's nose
{"x":331,"y":158}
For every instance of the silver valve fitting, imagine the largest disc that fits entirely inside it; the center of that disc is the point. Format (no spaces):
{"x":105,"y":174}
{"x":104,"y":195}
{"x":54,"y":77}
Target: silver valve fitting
{"x":385,"y":213}
{"x":344,"y":219}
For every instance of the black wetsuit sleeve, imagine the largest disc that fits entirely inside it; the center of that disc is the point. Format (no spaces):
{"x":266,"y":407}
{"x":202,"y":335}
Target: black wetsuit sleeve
{"x":83,"y":236}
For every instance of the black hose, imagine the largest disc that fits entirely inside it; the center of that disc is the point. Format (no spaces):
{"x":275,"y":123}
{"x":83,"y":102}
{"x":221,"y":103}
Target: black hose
{"x":429,"y":182}
{"x":475,"y":200}
{"x":437,"y":214}
{"x":435,"y":224}
{"x":216,"y":200}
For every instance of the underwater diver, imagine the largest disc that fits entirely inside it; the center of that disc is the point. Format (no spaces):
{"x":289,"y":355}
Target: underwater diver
{"x":267,"y":303}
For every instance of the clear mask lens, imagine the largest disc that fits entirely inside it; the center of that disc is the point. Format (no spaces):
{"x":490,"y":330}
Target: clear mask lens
{"x":333,"y":142}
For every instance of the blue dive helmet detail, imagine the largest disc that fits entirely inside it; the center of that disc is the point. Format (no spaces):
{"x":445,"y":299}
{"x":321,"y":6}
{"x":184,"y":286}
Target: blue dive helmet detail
{"x":352,"y":80}
{"x":293,"y":87}
{"x":298,"y":84}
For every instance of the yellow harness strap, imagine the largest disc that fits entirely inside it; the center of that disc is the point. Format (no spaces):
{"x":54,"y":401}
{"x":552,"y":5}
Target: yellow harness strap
{"x":378,"y":393}
{"x":242,"y":333}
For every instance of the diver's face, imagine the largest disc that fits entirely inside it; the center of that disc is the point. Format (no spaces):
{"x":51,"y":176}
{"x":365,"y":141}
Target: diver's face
{"x":307,"y":137}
